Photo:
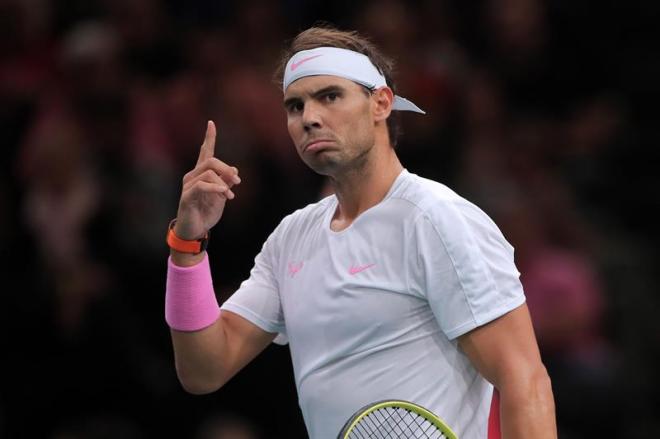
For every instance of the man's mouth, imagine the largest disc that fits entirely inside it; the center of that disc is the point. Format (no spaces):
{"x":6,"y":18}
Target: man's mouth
{"x":316,"y":144}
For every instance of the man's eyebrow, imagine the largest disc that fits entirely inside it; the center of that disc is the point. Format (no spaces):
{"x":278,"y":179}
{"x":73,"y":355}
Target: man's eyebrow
{"x":315,"y":94}
{"x":328,"y":89}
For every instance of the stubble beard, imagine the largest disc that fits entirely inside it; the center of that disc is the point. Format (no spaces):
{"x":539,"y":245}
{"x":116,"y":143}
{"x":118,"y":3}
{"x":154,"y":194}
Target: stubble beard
{"x":337,"y":164}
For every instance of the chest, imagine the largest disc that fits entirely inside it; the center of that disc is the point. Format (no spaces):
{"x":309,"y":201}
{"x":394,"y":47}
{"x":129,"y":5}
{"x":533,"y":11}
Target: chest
{"x":350,"y":288}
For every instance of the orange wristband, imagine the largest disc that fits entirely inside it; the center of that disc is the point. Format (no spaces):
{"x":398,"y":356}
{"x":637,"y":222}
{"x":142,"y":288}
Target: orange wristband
{"x":183,"y":246}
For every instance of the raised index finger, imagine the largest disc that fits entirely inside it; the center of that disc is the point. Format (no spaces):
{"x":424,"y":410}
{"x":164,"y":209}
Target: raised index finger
{"x":208,"y":147}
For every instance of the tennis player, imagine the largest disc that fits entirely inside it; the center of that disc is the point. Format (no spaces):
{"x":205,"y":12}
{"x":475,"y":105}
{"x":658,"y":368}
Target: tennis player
{"x":393,"y":287}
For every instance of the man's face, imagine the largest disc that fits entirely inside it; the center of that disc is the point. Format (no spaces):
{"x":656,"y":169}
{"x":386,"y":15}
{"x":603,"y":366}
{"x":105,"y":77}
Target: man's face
{"x":330,"y":122}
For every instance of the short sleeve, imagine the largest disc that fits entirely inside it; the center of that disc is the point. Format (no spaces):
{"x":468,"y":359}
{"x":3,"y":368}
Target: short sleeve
{"x":257,"y":299}
{"x":464,"y":267}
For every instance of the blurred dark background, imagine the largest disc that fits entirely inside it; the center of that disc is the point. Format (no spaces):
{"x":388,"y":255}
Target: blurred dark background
{"x":537,"y":111}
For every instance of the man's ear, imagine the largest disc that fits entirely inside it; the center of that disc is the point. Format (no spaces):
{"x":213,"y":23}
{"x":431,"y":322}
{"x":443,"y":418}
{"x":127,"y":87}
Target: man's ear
{"x":383,"y":99}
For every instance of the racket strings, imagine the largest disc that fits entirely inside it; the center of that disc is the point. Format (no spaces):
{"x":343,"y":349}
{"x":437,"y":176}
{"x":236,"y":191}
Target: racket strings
{"x":395,"y":423}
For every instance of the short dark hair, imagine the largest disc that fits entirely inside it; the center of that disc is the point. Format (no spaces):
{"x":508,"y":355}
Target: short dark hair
{"x":328,"y":36}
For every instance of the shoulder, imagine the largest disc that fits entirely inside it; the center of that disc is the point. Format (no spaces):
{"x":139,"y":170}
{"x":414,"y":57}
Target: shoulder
{"x":433,"y":199}
{"x":301,"y":220}
{"x":440,"y":209}
{"x":423,"y":193}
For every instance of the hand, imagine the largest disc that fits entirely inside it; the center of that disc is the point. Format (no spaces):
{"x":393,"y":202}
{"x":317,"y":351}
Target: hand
{"x":206,"y":189}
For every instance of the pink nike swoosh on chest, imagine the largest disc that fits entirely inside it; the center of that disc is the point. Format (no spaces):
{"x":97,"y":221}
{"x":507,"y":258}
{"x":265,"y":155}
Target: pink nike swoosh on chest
{"x":359,"y":268}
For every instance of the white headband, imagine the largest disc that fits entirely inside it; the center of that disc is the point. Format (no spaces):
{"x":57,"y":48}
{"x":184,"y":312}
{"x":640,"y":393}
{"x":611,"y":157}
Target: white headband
{"x":344,"y":63}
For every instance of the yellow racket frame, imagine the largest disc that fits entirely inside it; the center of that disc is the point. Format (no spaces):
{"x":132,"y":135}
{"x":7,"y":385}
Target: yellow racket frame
{"x":426,"y":414}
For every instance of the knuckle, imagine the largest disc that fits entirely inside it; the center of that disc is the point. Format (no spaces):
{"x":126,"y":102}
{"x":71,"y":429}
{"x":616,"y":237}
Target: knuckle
{"x":211,"y":175}
{"x":211,"y":162}
{"x":193,"y":188}
{"x":199,"y":184}
{"x":218,"y":164}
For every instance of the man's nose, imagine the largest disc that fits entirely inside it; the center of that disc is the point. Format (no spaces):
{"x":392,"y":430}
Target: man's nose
{"x":311,"y":116}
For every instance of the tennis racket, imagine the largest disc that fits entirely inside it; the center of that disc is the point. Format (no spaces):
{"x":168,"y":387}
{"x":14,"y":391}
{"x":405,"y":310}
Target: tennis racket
{"x":394,"y":419}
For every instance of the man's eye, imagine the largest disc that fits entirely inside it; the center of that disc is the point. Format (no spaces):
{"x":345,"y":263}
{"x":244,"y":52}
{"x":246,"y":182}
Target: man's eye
{"x":296,"y":107}
{"x":331,"y":97}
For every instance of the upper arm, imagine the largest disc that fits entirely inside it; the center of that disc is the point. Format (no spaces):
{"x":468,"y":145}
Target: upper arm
{"x":505,"y":352}
{"x":505,"y":349}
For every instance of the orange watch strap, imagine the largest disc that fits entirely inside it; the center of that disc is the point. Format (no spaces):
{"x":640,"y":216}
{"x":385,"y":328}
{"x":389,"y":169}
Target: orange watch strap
{"x":182,"y":245}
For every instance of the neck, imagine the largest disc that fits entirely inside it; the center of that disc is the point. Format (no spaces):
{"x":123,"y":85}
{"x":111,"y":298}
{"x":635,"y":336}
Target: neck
{"x":359,"y":189}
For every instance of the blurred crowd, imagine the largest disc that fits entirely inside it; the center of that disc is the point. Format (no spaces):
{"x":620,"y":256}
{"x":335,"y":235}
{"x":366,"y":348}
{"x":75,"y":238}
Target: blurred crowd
{"x":535,"y":113}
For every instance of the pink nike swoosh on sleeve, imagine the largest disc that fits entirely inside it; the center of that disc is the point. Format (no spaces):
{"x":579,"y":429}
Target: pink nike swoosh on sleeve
{"x":295,"y":65}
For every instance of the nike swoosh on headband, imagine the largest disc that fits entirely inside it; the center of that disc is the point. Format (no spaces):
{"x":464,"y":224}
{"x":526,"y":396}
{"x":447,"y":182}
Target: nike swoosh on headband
{"x":295,"y":65}
{"x":344,"y":63}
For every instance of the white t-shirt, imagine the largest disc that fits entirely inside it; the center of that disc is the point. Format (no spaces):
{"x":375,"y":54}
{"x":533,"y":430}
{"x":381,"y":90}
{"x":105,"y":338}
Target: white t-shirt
{"x":372,"y":312}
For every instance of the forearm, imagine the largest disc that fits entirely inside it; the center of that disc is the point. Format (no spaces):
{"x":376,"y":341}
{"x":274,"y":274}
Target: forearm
{"x":198,"y":357}
{"x":527,"y":407}
{"x":192,"y":312}
{"x":209,"y":346}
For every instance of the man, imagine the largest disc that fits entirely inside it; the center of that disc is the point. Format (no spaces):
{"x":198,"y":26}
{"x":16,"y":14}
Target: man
{"x":393,"y":287}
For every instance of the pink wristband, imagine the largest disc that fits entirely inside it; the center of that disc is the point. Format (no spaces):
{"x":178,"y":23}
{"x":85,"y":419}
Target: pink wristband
{"x":190,"y":303}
